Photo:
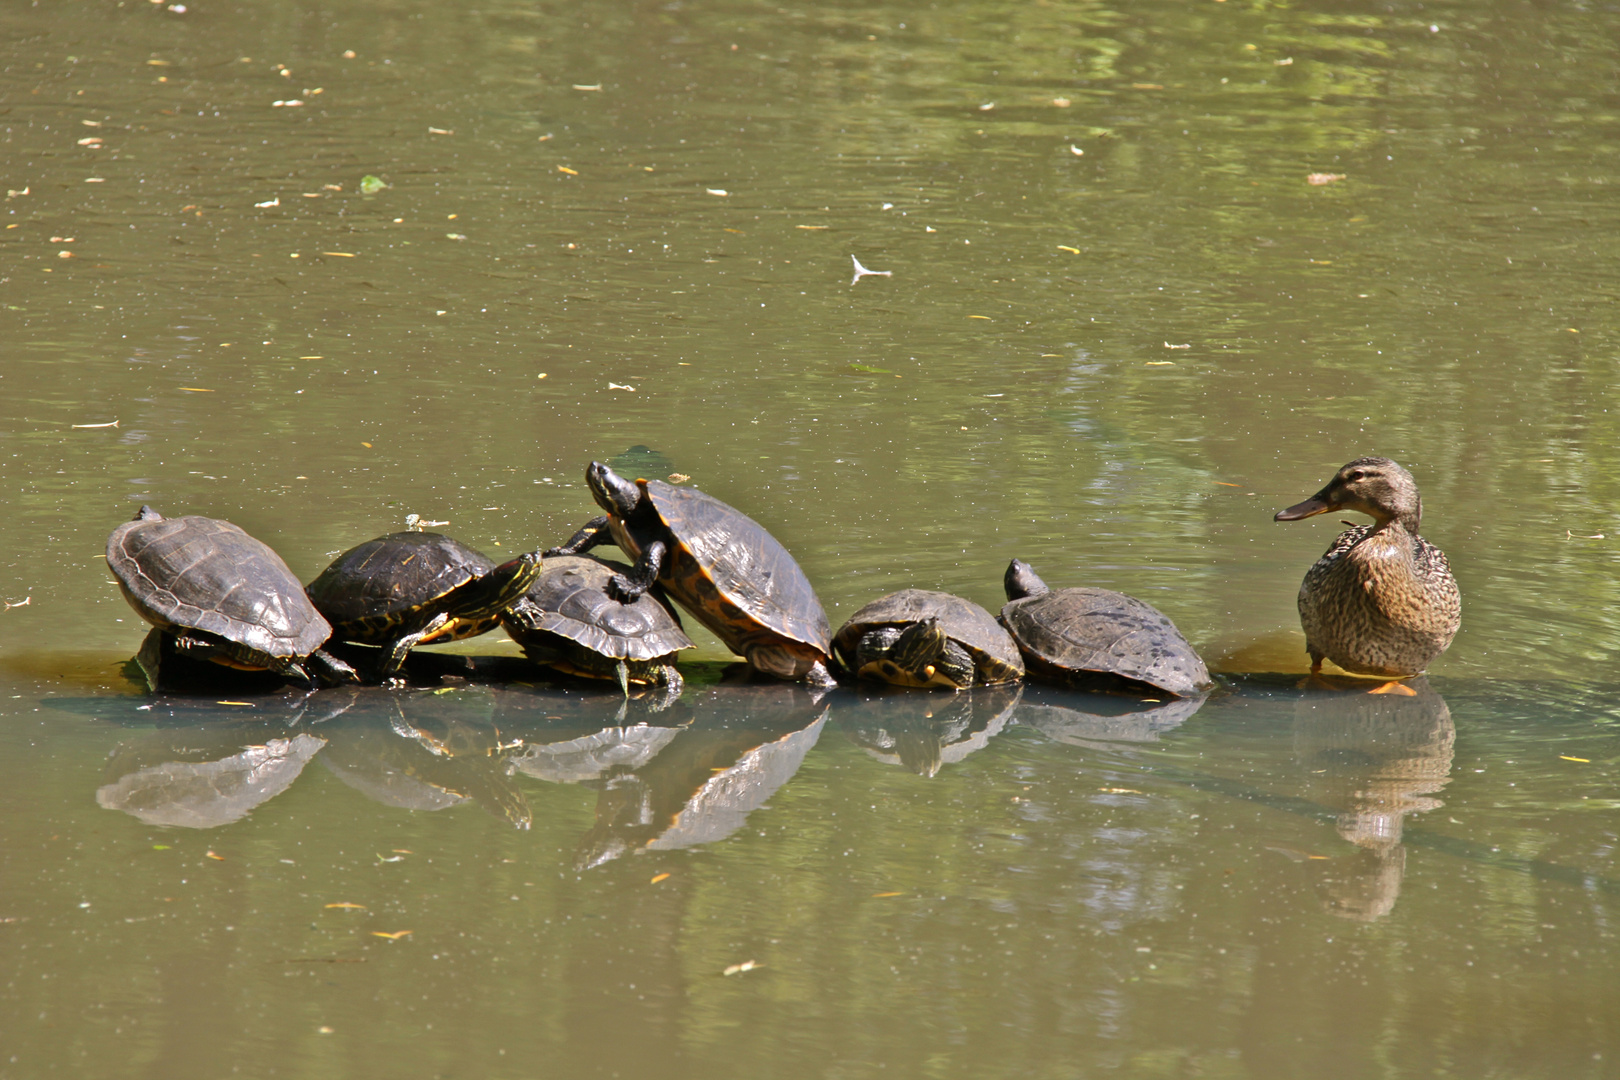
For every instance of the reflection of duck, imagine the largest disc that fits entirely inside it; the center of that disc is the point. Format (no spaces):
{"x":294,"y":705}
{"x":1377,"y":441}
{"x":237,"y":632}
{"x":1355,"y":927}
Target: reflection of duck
{"x":1375,"y":758}
{"x":925,"y":734}
{"x":1092,"y":720}
{"x":160,"y":779}
{"x":1381,"y":600}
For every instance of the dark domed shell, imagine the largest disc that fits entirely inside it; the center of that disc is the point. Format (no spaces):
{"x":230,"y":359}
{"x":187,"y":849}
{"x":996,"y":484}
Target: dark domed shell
{"x":571,"y":600}
{"x":743,"y":563}
{"x":200,"y":573}
{"x":392,"y":576}
{"x":968,"y":624}
{"x":1069,"y":633}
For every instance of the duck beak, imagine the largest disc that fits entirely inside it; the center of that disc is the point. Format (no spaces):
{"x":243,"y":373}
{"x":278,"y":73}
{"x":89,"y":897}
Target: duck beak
{"x":1320,"y":503}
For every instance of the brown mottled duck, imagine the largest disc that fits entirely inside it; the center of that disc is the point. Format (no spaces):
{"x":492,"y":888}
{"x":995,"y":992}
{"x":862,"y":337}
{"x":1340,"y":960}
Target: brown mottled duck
{"x":1381,"y":600}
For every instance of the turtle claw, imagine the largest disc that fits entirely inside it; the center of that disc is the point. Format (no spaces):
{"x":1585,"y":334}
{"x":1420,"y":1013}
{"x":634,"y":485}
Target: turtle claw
{"x":622,"y":673}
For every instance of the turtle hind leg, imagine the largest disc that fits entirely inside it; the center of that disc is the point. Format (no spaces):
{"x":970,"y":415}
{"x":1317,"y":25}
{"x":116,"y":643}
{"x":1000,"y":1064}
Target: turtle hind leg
{"x":330,"y":671}
{"x":395,"y":651}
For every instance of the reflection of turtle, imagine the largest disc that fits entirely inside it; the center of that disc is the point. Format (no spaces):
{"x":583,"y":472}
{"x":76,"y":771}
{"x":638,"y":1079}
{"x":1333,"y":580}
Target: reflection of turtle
{"x":221,"y":595}
{"x":567,"y":621}
{"x":427,"y":751}
{"x":926,"y":733}
{"x":201,"y":794}
{"x":1096,"y":720}
{"x":1098,"y":637}
{"x":720,"y":564}
{"x":746,"y":742}
{"x":410,"y":588}
{"x":917,"y":637}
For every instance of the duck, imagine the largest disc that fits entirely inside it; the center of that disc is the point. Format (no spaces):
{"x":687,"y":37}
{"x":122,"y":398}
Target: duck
{"x":1381,"y":600}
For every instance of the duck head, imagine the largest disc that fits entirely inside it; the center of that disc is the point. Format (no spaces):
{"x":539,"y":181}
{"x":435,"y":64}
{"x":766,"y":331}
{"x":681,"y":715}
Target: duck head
{"x":1374,"y":486}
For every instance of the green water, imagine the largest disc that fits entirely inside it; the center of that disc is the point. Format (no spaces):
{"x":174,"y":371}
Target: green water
{"x":613,"y":226}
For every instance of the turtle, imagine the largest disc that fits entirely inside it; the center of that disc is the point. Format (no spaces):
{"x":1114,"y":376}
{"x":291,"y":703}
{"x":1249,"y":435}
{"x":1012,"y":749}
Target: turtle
{"x":1098,"y":638}
{"x":918,"y":637}
{"x":221,"y":595}
{"x":567,"y":621}
{"x":409,"y":588}
{"x":718,"y":563}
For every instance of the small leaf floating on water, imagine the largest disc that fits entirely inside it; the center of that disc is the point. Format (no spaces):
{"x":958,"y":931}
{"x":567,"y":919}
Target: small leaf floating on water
{"x":370,"y":185}
{"x":161,"y":847}
{"x":1317,"y":179}
{"x":987,"y":106}
{"x":396,"y":858}
{"x":455,"y":236}
{"x":24,"y":602}
{"x":593,"y":86}
{"x":340,"y":254}
{"x":294,"y":102}
{"x":674,"y":478}
{"x":1119,"y":791}
{"x":1170,"y":346}
{"x":395,"y":936}
{"x":347,"y":906}
{"x":986,"y":318}
{"x":1568,"y":535}
{"x":566,"y":169}
{"x":1076,"y":151}
{"x":214,"y":855}
{"x":1223,"y":483}
{"x":195,"y":390}
{"x":440,"y":131}
{"x":249,"y":704}
{"x":1160,"y":363}
{"x":722,"y":192}
{"x":265,"y":205}
{"x":110,"y":423}
{"x":738,"y":969}
{"x":812,"y":228}
{"x":1066,"y":247}
{"x":659,"y":877}
{"x":619,"y":386}
{"x":885,"y":895}
{"x":1582,"y":760}
{"x":1062,"y":102}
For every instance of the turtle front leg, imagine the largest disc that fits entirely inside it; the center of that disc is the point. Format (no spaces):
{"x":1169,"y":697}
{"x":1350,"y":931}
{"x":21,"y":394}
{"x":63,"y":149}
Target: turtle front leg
{"x":394,"y":652}
{"x":627,"y":589}
{"x":593,"y":533}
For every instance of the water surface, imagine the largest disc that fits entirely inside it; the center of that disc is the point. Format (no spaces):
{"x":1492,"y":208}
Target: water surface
{"x":1120,"y":328}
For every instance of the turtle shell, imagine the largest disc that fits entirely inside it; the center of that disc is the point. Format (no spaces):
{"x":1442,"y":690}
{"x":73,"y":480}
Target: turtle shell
{"x":734,"y":577}
{"x":570,"y":601}
{"x":1086,"y":635}
{"x":392,"y":585}
{"x":204,"y":574}
{"x":995,"y":656}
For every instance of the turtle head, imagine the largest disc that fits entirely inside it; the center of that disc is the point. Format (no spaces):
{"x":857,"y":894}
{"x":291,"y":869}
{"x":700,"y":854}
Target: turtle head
{"x":1374,"y":486}
{"x":1020,"y":581}
{"x":918,"y":649}
{"x":146,"y":513}
{"x":612,"y":492}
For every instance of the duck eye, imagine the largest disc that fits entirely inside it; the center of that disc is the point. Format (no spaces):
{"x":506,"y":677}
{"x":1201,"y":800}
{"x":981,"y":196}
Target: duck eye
{"x":1357,"y":475}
